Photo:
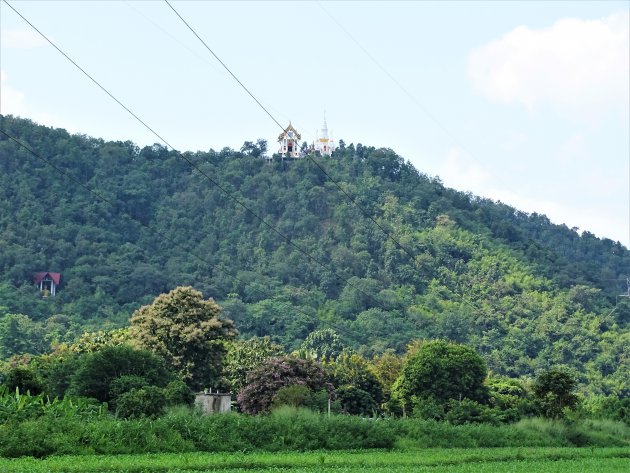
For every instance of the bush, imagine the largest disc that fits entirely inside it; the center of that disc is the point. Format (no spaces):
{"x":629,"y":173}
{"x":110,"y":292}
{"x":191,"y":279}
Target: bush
{"x":148,"y":401}
{"x":356,"y":401}
{"x":178,"y":393}
{"x":97,"y":371}
{"x":471,"y":412}
{"x":24,"y":380}
{"x":296,"y":395}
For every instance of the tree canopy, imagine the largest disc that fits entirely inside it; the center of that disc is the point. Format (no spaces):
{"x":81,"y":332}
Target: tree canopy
{"x":188,"y":332}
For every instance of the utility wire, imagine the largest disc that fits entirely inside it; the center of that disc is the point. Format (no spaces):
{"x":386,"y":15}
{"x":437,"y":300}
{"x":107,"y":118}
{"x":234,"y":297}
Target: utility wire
{"x":321,"y":168}
{"x":229,"y":194}
{"x":223,"y":64}
{"x":162,"y":235}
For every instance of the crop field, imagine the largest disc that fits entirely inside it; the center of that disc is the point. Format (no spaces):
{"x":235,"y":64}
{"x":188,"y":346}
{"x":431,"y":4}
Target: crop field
{"x":526,"y":460}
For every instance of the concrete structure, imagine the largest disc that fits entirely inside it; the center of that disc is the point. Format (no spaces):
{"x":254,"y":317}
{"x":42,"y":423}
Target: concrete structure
{"x":213,"y":403}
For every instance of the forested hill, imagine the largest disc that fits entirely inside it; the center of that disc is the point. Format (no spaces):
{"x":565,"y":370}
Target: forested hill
{"x":525,"y":293}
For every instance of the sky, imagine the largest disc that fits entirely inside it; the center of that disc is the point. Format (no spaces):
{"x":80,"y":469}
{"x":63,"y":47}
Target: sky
{"x":523,"y":102}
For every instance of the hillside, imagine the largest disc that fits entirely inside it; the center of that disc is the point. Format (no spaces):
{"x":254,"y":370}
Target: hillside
{"x":526,"y":293}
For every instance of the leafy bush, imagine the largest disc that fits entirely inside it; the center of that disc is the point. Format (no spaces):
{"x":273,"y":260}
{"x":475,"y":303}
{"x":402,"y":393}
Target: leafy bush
{"x":23,"y":379}
{"x":98,"y":370}
{"x":442,"y":371}
{"x":148,"y":401}
{"x":356,"y":401}
{"x":467,"y":411}
{"x":178,"y":393}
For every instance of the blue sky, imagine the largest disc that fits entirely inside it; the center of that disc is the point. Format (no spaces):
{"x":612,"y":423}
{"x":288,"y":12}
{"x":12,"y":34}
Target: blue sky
{"x":523,"y":102}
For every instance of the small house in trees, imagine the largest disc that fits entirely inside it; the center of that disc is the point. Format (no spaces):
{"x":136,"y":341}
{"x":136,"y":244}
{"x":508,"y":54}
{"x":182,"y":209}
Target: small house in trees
{"x":47,"y":282}
{"x":289,"y":142}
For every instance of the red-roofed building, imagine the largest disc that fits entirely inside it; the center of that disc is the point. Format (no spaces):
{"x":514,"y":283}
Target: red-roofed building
{"x":47,"y":282}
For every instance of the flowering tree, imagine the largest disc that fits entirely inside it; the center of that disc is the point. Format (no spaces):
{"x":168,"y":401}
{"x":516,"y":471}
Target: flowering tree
{"x":188,"y":332}
{"x":264,"y":382}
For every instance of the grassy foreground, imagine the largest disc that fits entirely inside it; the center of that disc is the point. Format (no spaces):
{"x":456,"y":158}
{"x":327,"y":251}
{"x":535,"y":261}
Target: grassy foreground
{"x":528,"y":460}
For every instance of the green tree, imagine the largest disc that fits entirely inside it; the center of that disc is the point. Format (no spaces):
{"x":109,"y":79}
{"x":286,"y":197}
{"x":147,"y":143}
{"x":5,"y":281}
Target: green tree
{"x":323,"y":344}
{"x":245,"y":355}
{"x":97,"y":373}
{"x":188,"y":332}
{"x":19,"y":335}
{"x":553,"y":393}
{"x":442,"y":371}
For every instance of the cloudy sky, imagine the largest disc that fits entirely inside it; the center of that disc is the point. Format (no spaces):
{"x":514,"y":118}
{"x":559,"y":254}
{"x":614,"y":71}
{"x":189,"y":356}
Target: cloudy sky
{"x":523,"y":102}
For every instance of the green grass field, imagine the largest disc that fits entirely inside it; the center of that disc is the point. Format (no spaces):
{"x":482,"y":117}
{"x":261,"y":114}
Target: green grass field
{"x":526,"y":460}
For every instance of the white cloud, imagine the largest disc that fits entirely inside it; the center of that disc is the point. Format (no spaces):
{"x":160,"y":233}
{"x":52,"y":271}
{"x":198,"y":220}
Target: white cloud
{"x":575,"y":65}
{"x":21,"y":38}
{"x":13,"y":102}
{"x":460,"y":171}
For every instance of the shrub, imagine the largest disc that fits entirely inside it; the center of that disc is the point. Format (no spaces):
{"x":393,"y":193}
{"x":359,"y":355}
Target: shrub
{"x":356,"y":401}
{"x":148,"y":401}
{"x":296,"y":395}
{"x":442,"y":371}
{"x":98,"y":370}
{"x":24,"y":380}
{"x":467,"y":411}
{"x":178,"y":393}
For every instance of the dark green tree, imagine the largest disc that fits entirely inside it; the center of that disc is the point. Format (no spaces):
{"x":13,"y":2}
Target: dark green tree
{"x":442,"y":371}
{"x":553,"y":393}
{"x":98,"y":372}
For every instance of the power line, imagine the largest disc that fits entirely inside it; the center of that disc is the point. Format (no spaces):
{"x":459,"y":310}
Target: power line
{"x":229,"y":194}
{"x":321,"y":168}
{"x":162,"y":235}
{"x":223,"y":64}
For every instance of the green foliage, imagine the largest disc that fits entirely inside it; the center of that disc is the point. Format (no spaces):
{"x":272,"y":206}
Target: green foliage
{"x":356,"y":401}
{"x":525,"y":293}
{"x":187,"y":332}
{"x":324,"y":344}
{"x":359,"y":390}
{"x":177,"y":393}
{"x":245,"y":355}
{"x":467,"y":411}
{"x":442,"y":371}
{"x":99,"y":371}
{"x":16,"y":406}
{"x":148,"y":401}
{"x":553,"y":393}
{"x":295,"y":395}
{"x":19,"y":334}
{"x":22,"y":379}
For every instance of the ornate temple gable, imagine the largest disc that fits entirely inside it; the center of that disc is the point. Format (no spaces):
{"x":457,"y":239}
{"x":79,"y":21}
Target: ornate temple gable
{"x":289,"y":142}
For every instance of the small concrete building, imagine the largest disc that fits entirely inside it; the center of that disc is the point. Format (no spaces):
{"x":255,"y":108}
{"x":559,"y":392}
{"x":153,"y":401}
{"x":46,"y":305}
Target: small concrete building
{"x":213,"y":403}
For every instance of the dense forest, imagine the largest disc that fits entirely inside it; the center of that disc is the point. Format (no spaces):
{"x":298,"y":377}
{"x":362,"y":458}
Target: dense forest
{"x":284,"y":252}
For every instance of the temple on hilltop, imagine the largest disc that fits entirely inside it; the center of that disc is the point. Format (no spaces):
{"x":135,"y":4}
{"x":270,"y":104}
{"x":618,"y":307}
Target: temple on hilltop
{"x":323,"y":143}
{"x":289,"y":142}
{"x":47,"y":282}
